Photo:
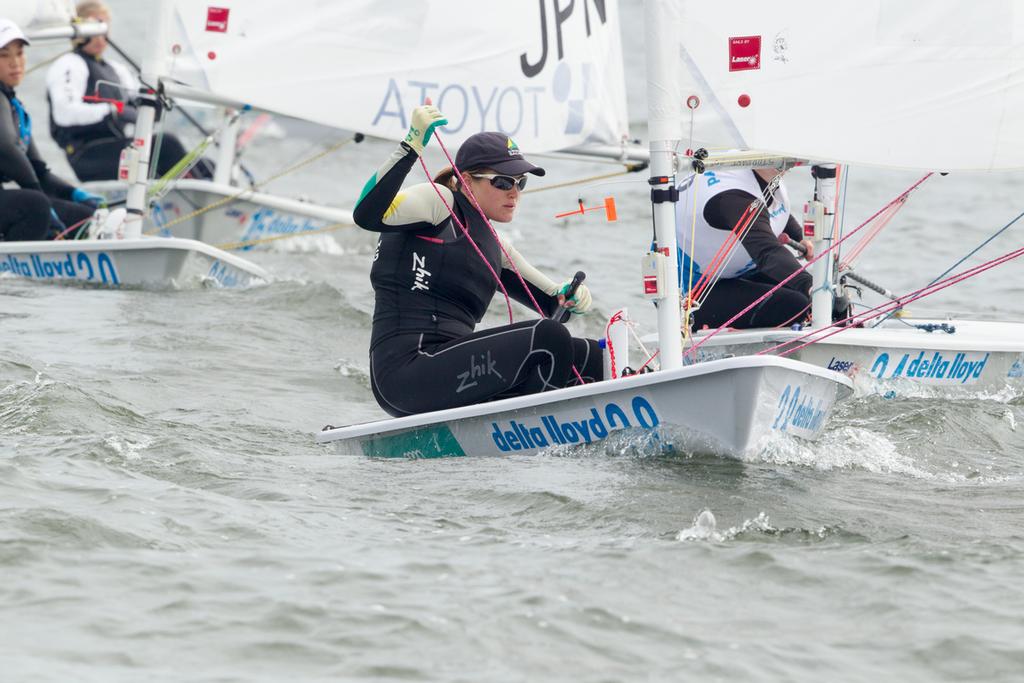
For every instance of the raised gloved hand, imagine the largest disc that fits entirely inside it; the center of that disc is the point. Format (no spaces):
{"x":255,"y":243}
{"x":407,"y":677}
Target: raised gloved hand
{"x":82,"y":196}
{"x":425,"y":118}
{"x":579,"y":302}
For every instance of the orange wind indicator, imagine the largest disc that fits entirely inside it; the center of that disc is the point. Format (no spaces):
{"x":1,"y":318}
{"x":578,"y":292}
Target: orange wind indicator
{"x":610,"y":212}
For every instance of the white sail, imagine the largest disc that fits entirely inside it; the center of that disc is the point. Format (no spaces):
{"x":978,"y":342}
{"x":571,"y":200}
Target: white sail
{"x":921,"y":84}
{"x":550,"y":80}
{"x":46,"y":21}
{"x":36,"y":15}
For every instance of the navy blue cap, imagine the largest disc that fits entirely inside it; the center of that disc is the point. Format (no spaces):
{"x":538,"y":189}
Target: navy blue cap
{"x":495,"y":151}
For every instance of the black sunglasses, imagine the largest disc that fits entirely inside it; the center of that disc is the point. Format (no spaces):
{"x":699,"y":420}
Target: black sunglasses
{"x":503,"y":182}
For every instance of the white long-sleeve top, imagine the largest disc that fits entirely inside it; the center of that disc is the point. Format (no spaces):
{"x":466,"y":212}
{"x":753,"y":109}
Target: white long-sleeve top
{"x":66,"y":84}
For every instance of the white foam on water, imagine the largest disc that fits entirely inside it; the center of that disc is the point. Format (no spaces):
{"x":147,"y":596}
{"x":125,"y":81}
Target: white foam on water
{"x":866,"y":386}
{"x":705,"y":528}
{"x":844,"y":448}
{"x":127,"y":448}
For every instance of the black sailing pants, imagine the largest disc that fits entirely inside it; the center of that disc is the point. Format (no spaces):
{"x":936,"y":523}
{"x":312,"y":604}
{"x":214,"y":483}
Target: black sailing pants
{"x":25,"y":215}
{"x":412,"y":374}
{"x":98,"y":159}
{"x":730,"y":296}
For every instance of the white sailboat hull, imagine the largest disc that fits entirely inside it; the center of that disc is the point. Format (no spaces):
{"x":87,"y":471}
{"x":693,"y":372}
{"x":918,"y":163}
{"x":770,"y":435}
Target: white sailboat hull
{"x":725,"y":407}
{"x":244,"y":222}
{"x":151,"y":261}
{"x":983,"y":356}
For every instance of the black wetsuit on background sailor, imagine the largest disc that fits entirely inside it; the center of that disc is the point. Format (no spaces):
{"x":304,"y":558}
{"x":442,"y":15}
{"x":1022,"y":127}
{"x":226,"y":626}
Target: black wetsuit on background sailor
{"x":432,"y":288}
{"x":45,"y":204}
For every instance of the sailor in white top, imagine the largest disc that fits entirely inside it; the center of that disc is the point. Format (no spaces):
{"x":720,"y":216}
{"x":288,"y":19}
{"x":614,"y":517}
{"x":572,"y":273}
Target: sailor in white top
{"x":756,"y":264}
{"x":92,"y":134}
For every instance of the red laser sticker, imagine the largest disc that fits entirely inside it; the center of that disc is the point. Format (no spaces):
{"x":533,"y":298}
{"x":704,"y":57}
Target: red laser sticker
{"x":744,"y":53}
{"x":217,"y":19}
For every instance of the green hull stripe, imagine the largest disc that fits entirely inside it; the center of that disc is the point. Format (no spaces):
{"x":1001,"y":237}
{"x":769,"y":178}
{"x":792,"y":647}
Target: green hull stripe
{"x":429,"y":442}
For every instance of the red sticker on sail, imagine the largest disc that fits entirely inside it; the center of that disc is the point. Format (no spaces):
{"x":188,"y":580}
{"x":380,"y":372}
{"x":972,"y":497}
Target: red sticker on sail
{"x":217,"y":19}
{"x":744,"y":53}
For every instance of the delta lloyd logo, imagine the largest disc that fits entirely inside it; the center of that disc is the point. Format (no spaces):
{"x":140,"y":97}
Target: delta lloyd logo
{"x":87,"y":267}
{"x":513,"y":148}
{"x":933,"y":368}
{"x":266,"y":222}
{"x":799,"y":410}
{"x":541,"y":431}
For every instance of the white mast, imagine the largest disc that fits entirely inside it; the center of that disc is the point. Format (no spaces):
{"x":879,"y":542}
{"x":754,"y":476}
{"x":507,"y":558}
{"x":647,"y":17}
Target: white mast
{"x":135,"y":158}
{"x":664,"y":112}
{"x":227,"y":141}
{"x":821,"y":213}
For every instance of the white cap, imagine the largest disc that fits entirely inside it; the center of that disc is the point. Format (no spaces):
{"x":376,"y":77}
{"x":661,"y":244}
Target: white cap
{"x":9,"y":31}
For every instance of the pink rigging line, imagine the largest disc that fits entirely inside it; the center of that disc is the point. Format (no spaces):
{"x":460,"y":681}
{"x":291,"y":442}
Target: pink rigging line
{"x":807,"y":265}
{"x":893,"y":305}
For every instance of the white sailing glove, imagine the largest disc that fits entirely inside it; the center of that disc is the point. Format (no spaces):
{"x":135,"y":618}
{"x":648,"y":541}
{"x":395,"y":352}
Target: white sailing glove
{"x":425,"y":118}
{"x":579,"y":303}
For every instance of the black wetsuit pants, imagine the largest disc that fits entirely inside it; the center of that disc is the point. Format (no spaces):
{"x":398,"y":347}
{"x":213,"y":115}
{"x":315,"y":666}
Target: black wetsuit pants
{"x":25,"y":215}
{"x":98,"y":159}
{"x":730,"y":296}
{"x":412,"y":373}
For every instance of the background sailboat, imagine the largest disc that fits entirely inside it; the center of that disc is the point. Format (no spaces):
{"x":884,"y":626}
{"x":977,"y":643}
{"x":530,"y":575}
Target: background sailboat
{"x":113,"y":262}
{"x":926,"y":86}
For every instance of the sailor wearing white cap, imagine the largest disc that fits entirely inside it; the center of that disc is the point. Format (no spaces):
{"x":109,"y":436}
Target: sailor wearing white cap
{"x":44,"y":204}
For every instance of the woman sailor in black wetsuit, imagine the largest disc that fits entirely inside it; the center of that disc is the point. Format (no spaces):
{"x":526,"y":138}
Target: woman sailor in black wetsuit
{"x":45,"y":203}
{"x":433,"y":286}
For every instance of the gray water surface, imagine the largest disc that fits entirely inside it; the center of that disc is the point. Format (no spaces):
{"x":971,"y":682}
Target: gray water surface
{"x":167,"y":516}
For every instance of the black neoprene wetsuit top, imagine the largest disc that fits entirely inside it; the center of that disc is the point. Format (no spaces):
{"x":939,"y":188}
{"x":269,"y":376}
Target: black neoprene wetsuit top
{"x":427,"y":277}
{"x":19,"y":158}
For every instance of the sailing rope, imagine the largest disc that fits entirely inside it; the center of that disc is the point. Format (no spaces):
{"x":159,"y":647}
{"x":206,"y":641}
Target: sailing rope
{"x":249,"y":191}
{"x":882,"y":221}
{"x":46,"y":62}
{"x":807,"y":265}
{"x":629,"y":168}
{"x":616,"y":317}
{"x":469,"y":193}
{"x":974,"y":251}
{"x":889,"y":307}
{"x":79,"y":225}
